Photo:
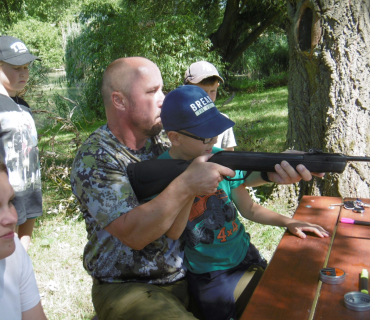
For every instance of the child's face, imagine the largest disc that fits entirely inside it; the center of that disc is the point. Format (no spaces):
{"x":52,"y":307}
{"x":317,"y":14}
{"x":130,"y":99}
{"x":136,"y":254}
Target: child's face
{"x":189,"y":148}
{"x":210,"y":89}
{"x":13,"y":78}
{"x":8,"y":217}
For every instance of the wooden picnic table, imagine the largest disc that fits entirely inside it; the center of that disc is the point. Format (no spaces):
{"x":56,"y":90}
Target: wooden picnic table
{"x":290,"y":287}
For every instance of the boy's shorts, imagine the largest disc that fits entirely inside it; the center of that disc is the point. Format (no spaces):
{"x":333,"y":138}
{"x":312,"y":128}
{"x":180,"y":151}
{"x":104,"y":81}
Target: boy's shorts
{"x":28,"y":206}
{"x":224,"y":294}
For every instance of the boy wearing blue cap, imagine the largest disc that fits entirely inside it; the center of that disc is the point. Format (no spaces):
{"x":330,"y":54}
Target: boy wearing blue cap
{"x":222,"y":264}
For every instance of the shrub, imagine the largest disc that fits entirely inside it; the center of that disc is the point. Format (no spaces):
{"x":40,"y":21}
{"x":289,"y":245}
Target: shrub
{"x":42,"y":39}
{"x":265,"y":57}
{"x":110,"y":31}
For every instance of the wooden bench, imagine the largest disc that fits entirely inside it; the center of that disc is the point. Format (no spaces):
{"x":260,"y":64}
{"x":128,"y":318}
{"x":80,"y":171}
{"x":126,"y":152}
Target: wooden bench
{"x":290,"y":287}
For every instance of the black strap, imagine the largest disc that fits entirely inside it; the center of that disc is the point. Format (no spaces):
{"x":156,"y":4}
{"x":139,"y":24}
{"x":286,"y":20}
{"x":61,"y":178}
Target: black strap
{"x":247,"y":174}
{"x":265,"y":177}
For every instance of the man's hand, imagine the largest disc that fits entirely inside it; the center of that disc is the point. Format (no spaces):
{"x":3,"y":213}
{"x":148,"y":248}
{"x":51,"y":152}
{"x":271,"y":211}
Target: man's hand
{"x":203,"y":177}
{"x":285,"y":173}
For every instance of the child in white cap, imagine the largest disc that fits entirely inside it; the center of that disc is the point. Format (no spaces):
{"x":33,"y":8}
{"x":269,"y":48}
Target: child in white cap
{"x":205,"y":75}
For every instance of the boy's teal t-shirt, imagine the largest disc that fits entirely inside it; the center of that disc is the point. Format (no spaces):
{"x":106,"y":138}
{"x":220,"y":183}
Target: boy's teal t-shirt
{"x":214,"y":237}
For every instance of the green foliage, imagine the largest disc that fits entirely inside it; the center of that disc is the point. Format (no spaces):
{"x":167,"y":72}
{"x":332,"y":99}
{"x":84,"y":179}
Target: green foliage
{"x":265,"y":57}
{"x":41,"y":25}
{"x":10,"y":12}
{"x":58,"y":144}
{"x":246,"y":141}
{"x":52,"y":10}
{"x":37,"y":78}
{"x":42,"y":39}
{"x":174,"y":44}
{"x":110,"y":31}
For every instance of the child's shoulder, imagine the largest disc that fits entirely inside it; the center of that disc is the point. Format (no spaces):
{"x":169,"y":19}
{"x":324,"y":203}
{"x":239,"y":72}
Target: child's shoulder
{"x":20,"y":101}
{"x":165,"y":155}
{"x":6,"y":103}
{"x":216,"y":149}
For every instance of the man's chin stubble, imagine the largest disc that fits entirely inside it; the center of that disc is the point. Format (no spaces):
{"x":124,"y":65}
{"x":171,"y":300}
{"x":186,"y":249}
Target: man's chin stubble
{"x":155,"y":130}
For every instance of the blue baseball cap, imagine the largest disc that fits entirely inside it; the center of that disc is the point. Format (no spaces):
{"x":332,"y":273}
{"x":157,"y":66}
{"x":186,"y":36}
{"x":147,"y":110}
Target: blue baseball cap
{"x":190,"y":108}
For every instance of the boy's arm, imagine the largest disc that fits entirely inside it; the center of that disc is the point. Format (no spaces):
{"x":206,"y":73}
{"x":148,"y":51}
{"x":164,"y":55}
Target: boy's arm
{"x":178,"y":226}
{"x":254,"y":212}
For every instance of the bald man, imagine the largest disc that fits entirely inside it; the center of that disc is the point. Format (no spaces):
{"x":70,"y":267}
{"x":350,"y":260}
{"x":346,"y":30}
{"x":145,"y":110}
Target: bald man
{"x":137,"y":270}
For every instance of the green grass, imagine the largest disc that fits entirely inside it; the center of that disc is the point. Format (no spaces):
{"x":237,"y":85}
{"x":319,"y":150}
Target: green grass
{"x":261,"y":119}
{"x":56,"y":253}
{"x":246,"y":84}
{"x":60,"y":236}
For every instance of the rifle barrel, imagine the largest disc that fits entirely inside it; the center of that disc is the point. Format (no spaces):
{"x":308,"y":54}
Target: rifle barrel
{"x":357,"y":158}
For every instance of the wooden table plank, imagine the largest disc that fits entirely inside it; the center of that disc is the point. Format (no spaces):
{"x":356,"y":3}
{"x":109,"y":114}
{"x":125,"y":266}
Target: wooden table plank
{"x":350,"y":252}
{"x":288,"y":286}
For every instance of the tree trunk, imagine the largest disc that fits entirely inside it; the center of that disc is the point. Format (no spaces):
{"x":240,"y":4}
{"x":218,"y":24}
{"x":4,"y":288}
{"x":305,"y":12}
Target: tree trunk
{"x":329,"y":81}
{"x":243,"y":22}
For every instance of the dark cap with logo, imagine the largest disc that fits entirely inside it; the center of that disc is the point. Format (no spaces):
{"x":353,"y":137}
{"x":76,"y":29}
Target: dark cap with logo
{"x":199,"y":71}
{"x":189,"y":108}
{"x":14,"y":51}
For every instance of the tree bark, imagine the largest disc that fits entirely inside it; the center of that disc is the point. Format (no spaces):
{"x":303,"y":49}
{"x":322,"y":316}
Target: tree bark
{"x":329,"y":81}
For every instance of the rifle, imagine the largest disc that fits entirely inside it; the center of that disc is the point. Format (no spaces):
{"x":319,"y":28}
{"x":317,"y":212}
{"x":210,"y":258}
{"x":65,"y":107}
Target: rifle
{"x":149,"y":178}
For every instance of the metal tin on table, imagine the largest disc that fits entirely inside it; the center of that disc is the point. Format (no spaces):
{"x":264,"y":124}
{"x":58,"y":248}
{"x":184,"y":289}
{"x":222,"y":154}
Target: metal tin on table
{"x":332,"y":275}
{"x":357,"y":301}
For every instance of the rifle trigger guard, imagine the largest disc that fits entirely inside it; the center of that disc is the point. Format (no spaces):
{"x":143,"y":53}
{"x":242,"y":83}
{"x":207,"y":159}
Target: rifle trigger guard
{"x":247,"y":174}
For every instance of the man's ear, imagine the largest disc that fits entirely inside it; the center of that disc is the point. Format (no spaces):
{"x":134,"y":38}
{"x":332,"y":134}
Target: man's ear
{"x":174,"y":138}
{"x":118,"y":100}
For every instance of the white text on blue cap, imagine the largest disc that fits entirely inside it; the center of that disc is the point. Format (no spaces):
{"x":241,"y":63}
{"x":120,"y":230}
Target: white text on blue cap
{"x":202,"y":105}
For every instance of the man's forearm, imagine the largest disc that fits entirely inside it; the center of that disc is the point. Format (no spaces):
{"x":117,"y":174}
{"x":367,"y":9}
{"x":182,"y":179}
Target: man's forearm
{"x":147,"y":222}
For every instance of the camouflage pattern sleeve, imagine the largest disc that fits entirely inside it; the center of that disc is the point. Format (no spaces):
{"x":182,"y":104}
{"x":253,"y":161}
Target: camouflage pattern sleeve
{"x":100,"y":183}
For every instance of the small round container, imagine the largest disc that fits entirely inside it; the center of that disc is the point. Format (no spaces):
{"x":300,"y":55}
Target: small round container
{"x":357,"y":301}
{"x":332,"y":275}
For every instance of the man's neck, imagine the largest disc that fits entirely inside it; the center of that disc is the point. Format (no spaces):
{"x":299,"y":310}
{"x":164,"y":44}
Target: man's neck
{"x":128,"y":138}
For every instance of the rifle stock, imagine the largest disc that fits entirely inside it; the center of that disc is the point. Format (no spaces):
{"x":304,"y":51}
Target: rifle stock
{"x":149,"y":178}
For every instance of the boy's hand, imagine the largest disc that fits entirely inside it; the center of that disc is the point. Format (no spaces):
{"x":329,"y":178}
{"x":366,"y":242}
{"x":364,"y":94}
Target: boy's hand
{"x":203,"y":177}
{"x":285,"y":173}
{"x":297,"y":227}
